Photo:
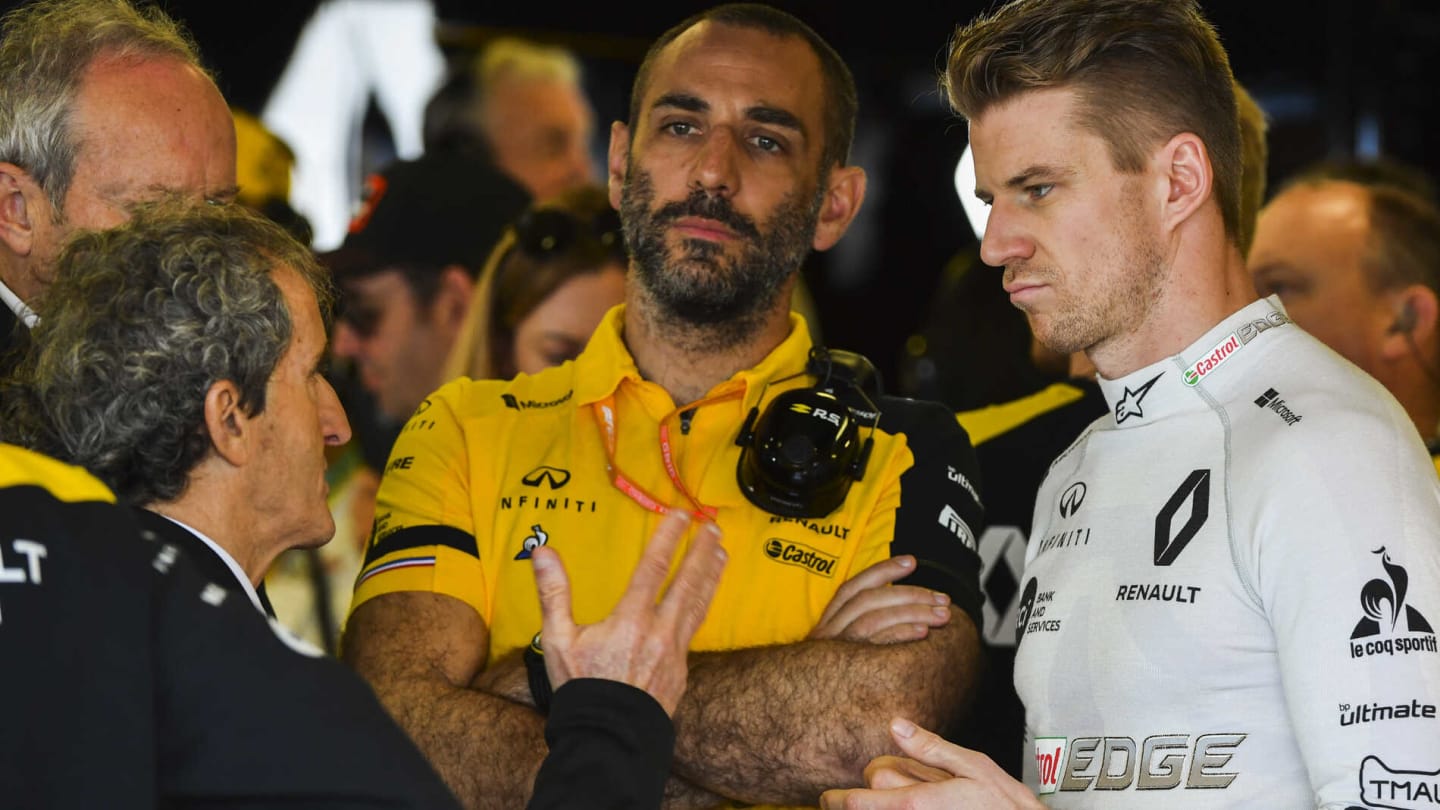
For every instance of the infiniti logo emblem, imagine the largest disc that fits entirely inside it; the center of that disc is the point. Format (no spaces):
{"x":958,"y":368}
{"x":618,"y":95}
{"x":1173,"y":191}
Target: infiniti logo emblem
{"x":552,"y":477}
{"x":1071,"y":499}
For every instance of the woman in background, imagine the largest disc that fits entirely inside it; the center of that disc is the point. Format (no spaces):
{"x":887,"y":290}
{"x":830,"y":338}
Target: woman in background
{"x":545,"y":288}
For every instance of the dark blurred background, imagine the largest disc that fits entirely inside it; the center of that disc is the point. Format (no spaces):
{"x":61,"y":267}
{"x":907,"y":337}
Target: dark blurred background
{"x":1335,"y":77}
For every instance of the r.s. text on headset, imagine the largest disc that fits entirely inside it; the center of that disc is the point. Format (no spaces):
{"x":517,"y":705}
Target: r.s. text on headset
{"x":799,"y":458}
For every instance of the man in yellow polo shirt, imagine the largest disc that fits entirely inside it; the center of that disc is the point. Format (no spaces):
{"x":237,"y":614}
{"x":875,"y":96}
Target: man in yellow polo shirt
{"x":731,"y":168}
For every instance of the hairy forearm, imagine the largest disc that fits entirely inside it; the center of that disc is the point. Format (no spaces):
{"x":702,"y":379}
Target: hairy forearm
{"x":779,"y":725}
{"x":506,"y":679}
{"x":420,"y":652}
{"x":487,"y":749}
{"x":683,"y":795}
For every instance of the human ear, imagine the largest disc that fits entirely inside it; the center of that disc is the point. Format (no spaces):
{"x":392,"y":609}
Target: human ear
{"x":844,"y":193}
{"x":618,"y":161}
{"x":227,"y":425}
{"x":20,"y":195}
{"x":1190,"y":178}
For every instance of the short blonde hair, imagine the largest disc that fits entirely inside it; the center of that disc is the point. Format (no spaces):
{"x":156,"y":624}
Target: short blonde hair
{"x":1254,"y":161}
{"x":1145,"y":70}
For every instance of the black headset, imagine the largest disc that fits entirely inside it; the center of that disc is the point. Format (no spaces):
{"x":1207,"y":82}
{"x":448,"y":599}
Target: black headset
{"x":800,"y":457}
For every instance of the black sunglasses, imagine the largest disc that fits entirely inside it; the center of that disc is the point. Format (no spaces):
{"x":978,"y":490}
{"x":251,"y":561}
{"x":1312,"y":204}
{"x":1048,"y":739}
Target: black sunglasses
{"x":546,"y":232}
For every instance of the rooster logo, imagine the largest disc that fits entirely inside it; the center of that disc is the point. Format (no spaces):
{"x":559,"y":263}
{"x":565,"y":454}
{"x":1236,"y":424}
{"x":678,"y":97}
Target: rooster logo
{"x":1384,"y":603}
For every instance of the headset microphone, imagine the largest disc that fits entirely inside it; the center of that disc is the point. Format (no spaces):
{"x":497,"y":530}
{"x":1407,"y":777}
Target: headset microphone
{"x":800,"y":457}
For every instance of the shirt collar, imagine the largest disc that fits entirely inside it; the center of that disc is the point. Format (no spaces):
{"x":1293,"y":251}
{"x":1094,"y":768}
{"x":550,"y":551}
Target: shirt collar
{"x":229,"y":561}
{"x":23,"y":312}
{"x":1172,"y":385}
{"x":607,"y":362}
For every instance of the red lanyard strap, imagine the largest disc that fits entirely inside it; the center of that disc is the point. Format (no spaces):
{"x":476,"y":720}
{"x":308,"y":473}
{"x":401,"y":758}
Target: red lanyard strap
{"x":605,"y":420}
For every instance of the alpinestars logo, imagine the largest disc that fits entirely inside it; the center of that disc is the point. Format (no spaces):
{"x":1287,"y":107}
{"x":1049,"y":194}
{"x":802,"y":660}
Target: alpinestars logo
{"x":552,"y":477}
{"x":1271,"y":400}
{"x":1194,"y":490}
{"x":1129,"y":404}
{"x":1390,"y":625}
{"x":537,"y":538}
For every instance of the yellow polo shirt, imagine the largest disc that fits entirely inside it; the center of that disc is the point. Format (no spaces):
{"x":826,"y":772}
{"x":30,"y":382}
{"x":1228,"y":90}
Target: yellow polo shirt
{"x":482,"y":466}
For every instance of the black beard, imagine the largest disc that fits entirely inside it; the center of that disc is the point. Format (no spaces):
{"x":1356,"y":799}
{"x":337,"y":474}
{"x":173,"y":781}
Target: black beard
{"x":716,"y":302}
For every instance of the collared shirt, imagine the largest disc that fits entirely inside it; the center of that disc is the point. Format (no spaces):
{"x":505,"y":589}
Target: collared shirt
{"x":486,"y":470}
{"x":229,"y":561}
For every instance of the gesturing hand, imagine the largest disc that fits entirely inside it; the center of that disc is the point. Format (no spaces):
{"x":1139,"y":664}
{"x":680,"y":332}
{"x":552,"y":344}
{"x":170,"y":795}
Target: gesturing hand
{"x":937,"y":776}
{"x":642,"y":642}
{"x":868,"y":608}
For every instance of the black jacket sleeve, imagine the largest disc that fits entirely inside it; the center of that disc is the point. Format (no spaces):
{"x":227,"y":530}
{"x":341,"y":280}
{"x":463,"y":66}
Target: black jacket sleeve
{"x":135,"y":682}
{"x":610,"y":747}
{"x":940,"y":518}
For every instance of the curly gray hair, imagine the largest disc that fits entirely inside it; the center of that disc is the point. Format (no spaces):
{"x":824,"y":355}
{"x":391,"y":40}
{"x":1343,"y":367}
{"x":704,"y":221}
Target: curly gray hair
{"x":45,"y":49}
{"x":141,"y":321}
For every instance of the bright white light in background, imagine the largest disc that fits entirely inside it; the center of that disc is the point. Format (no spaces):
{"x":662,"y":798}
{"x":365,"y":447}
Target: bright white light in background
{"x":349,"y":50}
{"x":977,"y":212}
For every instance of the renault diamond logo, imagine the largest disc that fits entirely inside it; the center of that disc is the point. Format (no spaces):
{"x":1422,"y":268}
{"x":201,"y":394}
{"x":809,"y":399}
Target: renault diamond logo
{"x":1194,"y":491}
{"x":552,"y":477}
{"x":1071,"y":499}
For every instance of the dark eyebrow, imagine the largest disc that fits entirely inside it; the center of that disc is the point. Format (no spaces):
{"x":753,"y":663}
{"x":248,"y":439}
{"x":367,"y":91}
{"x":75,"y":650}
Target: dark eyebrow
{"x":773,"y":116}
{"x":683,"y":101}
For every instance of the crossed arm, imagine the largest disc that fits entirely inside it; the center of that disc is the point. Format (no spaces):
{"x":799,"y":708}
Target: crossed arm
{"x":771,"y":724}
{"x":781,"y":724}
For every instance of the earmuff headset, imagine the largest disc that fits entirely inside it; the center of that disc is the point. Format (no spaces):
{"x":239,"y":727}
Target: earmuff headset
{"x":800,"y":457}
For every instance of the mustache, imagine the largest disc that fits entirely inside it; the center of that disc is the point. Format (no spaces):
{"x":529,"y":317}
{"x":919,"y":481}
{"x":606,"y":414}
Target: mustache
{"x":702,"y":204}
{"x":1031,"y":271}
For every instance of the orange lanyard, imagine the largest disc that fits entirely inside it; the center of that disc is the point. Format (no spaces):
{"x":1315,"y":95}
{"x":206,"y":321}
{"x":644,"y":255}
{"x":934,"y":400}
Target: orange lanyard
{"x":605,"y":421}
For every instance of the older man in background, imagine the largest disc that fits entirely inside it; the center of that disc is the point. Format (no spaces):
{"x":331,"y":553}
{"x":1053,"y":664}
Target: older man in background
{"x":102,"y":106}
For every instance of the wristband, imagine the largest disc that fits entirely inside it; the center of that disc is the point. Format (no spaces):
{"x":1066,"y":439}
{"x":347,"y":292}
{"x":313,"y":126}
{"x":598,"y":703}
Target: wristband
{"x":540,"y":691}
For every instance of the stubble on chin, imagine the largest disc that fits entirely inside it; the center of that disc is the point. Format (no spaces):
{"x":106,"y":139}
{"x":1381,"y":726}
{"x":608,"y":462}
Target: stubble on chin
{"x":697,"y":294}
